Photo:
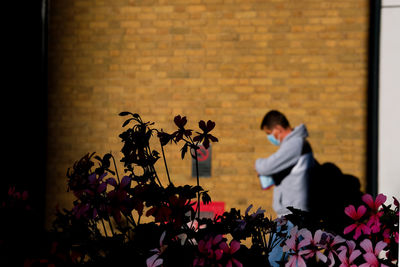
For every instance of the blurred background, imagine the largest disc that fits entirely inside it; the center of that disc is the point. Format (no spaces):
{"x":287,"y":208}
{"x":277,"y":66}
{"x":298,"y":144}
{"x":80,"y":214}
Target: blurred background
{"x":74,"y":65}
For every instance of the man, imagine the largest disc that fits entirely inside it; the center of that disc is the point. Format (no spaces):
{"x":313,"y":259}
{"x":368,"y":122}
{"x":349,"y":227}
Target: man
{"x":288,"y":168}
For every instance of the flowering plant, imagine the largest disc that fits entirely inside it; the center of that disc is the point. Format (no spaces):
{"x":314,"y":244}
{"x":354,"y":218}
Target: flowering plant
{"x":134,"y":218}
{"x":372,"y":239}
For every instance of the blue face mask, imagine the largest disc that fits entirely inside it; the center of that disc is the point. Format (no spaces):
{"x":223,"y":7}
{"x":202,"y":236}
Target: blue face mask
{"x":273,"y":140}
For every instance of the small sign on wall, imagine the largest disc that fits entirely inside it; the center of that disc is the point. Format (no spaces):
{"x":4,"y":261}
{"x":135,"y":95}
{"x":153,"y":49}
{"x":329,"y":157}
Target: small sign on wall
{"x":204,"y":162}
{"x":212,"y":209}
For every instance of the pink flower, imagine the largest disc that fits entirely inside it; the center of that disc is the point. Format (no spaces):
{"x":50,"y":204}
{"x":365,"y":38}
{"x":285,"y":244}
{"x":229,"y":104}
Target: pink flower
{"x":209,"y":249}
{"x":371,"y":255}
{"x":358,"y":225}
{"x":374,"y":223}
{"x":96,"y":184}
{"x":119,"y":198}
{"x":229,"y":251}
{"x":296,"y":261}
{"x":155,"y":260}
{"x":347,"y":256}
{"x":313,"y":244}
{"x":331,"y":242}
{"x":396,"y":203}
{"x":293,"y":246}
{"x":374,"y":205}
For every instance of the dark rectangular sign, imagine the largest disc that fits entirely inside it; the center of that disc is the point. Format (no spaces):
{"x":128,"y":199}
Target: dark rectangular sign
{"x":204,"y":159}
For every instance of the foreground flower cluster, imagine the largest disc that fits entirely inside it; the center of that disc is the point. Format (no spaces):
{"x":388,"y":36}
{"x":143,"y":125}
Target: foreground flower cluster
{"x":372,"y":240}
{"x":133,"y":218}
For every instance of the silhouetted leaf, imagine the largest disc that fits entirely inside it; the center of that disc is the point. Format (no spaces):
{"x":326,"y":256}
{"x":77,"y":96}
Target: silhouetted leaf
{"x":184,"y":150}
{"x":126,"y":122}
{"x":125,"y":113}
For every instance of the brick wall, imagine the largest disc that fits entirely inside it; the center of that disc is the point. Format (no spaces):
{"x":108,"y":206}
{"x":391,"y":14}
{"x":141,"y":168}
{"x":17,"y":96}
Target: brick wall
{"x":226,"y":60}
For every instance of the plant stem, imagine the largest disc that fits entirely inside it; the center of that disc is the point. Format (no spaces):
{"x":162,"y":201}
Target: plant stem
{"x":152,"y":166}
{"x":104,"y":227}
{"x":112,"y":230}
{"x":198,"y":184}
{"x":165,"y":163}
{"x":115,"y":167}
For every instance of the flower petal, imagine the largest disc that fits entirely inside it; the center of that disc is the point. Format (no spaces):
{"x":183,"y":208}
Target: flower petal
{"x":337,"y":240}
{"x":290,"y":244}
{"x":237,"y":263}
{"x":218,"y":254}
{"x":150,"y":261}
{"x":380,"y":199}
{"x":321,"y":256}
{"x":306,"y":234}
{"x":342,"y":256}
{"x":367,"y":198}
{"x":235,"y":246}
{"x":304,"y":242}
{"x":361,"y":211}
{"x":202,"y":125}
{"x":317,"y":236}
{"x":248,"y":209}
{"x":354,"y":255}
{"x":162,"y":238}
{"x":292,"y":261}
{"x":217,"y":239}
{"x":350,"y":211}
{"x":125,"y":181}
{"x":357,"y":233}
{"x":367,"y":245}
{"x":371,"y":259}
{"x":224,"y":246}
{"x":351,"y":245}
{"x":301,"y":262}
{"x":349,"y":229}
{"x":379,"y":247}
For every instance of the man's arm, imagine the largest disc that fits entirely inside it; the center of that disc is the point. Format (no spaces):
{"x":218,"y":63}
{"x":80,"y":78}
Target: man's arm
{"x":287,"y":155}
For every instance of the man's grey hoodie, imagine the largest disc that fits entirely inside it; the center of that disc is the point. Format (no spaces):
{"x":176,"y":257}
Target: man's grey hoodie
{"x":298,"y":161}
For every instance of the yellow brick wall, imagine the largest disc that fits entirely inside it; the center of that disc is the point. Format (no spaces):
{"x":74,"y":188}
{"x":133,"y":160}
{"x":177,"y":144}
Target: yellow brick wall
{"x":226,"y":60}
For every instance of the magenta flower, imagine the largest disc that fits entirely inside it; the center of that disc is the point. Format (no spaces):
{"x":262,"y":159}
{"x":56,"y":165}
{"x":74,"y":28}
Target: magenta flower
{"x":348,"y":254}
{"x":358,"y":226}
{"x":296,"y":260}
{"x":374,"y":205}
{"x":292,"y":246}
{"x":229,"y":251}
{"x":396,"y":203}
{"x":155,"y":260}
{"x":371,"y":255}
{"x":96,"y":184}
{"x":209,"y":248}
{"x":313,"y":245}
{"x":81,"y":210}
{"x":374,"y":223}
{"x":331,"y":242}
{"x":119,"y":198}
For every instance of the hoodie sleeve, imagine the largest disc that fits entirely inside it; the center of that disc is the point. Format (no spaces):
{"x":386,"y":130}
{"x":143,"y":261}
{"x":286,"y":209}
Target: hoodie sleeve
{"x":287,"y":155}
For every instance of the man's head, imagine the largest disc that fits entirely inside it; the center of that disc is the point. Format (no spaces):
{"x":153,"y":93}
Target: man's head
{"x":276,"y":126}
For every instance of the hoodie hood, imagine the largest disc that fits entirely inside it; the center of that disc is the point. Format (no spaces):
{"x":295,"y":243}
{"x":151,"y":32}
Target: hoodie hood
{"x":299,"y":131}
